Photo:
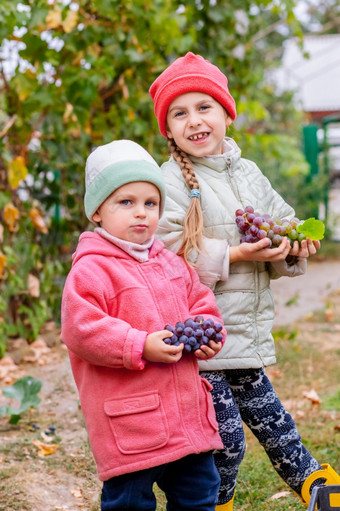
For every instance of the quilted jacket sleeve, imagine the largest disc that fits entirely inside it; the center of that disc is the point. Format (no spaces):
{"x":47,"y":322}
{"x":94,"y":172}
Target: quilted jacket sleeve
{"x":284,"y":269}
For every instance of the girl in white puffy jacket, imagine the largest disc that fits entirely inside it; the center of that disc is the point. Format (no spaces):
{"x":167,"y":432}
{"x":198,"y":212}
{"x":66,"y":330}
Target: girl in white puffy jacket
{"x":207,"y":181}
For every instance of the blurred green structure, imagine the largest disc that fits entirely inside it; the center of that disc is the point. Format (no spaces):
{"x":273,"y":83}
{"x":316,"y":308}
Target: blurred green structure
{"x":319,"y":145}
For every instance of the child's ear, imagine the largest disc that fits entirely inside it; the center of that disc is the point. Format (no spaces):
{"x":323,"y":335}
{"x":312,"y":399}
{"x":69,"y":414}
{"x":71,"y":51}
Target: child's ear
{"x":96,"y":217}
{"x":228,"y":121}
{"x":168,"y":132}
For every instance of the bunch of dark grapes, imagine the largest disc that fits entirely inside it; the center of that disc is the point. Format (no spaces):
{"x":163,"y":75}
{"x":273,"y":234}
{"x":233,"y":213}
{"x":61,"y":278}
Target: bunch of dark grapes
{"x":254,"y":227}
{"x":193,"y":333}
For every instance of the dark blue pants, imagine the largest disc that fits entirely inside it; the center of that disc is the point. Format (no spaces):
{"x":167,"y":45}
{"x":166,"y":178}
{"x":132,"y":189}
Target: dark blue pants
{"x":190,"y":483}
{"x":248,"y":394}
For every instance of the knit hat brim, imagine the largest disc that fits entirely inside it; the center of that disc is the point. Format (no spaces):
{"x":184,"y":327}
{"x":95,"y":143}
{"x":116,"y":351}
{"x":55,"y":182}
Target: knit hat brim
{"x":118,"y":174}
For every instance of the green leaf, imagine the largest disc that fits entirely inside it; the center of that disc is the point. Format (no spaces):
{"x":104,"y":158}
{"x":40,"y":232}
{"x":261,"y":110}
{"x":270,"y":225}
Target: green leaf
{"x":24,"y":390}
{"x":293,"y":301}
{"x":14,"y":419}
{"x":312,"y":228}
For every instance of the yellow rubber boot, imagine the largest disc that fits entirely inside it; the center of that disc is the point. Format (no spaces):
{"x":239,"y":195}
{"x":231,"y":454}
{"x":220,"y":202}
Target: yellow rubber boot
{"x":226,"y":507}
{"x":330,"y":476}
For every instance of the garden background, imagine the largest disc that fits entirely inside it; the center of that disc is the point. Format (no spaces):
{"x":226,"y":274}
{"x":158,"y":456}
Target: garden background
{"x":74,"y":75}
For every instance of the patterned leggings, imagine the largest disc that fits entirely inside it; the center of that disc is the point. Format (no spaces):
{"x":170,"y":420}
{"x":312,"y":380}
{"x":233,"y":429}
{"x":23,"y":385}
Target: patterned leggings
{"x":248,"y":394}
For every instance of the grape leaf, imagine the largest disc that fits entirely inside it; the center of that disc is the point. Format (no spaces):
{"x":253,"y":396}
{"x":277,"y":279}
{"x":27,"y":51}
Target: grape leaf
{"x":312,"y":228}
{"x":24,"y":390}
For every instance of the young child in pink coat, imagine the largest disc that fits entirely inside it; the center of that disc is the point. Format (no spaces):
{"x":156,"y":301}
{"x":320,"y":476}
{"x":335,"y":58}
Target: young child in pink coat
{"x":148,"y":414}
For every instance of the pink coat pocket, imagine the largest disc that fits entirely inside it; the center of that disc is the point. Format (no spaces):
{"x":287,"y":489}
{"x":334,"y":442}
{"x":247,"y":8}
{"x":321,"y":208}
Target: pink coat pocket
{"x":138,"y":422}
{"x":211,"y":415}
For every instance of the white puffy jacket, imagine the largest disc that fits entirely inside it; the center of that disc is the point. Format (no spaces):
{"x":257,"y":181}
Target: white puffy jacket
{"x":228,"y":182}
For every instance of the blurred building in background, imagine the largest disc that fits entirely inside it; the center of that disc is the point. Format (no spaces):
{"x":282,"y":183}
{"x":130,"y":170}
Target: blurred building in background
{"x":314,"y":74}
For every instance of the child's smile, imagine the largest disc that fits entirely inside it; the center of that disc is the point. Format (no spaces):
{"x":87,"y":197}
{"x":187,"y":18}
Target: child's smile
{"x":200,"y":137}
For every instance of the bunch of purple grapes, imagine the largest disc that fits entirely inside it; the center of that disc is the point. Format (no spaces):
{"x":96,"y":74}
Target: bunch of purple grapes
{"x":254,"y":227}
{"x":193,"y":333}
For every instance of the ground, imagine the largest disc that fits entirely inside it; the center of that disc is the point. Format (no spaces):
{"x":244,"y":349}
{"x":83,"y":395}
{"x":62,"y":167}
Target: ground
{"x":66,"y":479}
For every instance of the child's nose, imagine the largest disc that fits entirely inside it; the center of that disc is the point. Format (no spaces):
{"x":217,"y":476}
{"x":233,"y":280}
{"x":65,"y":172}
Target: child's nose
{"x":140,"y":210}
{"x":194,"y":118}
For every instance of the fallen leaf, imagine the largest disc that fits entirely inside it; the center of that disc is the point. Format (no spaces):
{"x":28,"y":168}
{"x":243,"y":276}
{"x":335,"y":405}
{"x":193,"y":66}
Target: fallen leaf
{"x":38,"y":352}
{"x":9,"y":371}
{"x":280,"y":495}
{"x":33,"y":286}
{"x":53,"y":19}
{"x":17,"y":171}
{"x":77,"y":492}
{"x":312,"y":396}
{"x":329,"y":315}
{"x":37,"y":220}
{"x":70,"y":21}
{"x":46,"y":438}
{"x":68,"y":112}
{"x":293,"y":301}
{"x":45,"y":449}
{"x":94,"y":50}
{"x":3,"y":261}
{"x":299,"y":414}
{"x":11,"y":215}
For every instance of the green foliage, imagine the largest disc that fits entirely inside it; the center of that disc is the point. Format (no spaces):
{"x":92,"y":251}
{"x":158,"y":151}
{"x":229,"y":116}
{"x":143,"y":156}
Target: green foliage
{"x":293,"y":300}
{"x":81,"y":79}
{"x":24,"y":390}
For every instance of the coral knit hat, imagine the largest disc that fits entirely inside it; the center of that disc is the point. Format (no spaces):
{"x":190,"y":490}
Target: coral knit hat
{"x":191,"y":73}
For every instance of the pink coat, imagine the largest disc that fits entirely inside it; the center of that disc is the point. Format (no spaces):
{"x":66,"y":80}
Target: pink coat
{"x":137,"y":414}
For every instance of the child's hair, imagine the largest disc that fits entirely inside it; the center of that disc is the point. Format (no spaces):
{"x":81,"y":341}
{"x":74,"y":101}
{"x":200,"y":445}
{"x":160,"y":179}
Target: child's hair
{"x":191,"y":73}
{"x":193,"y":221}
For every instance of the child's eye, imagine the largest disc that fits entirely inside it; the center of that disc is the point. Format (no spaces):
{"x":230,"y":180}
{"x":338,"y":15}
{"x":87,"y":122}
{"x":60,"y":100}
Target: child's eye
{"x":151,"y":203}
{"x":179,"y":114}
{"x":204,"y":107}
{"x":125,"y":202}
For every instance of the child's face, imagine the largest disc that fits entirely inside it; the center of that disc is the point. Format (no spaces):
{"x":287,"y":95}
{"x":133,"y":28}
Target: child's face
{"x":197,"y":123}
{"x":131,"y":212}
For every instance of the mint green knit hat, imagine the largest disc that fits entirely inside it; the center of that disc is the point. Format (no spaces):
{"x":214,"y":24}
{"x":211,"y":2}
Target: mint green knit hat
{"x":115,"y":164}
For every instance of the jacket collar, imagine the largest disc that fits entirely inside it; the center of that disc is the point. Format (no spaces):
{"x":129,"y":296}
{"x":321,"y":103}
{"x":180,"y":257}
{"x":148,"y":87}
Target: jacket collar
{"x":140,"y":252}
{"x":221,"y":162}
{"x":92,"y":243}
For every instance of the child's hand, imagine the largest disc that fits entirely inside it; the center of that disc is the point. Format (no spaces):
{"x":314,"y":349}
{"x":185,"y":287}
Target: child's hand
{"x":208,"y":350}
{"x":156,"y":350}
{"x":260,"y":251}
{"x":306,"y":249}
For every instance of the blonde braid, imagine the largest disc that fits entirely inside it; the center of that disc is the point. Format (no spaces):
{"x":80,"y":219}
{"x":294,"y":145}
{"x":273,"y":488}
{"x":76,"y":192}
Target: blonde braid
{"x":193,"y":221}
